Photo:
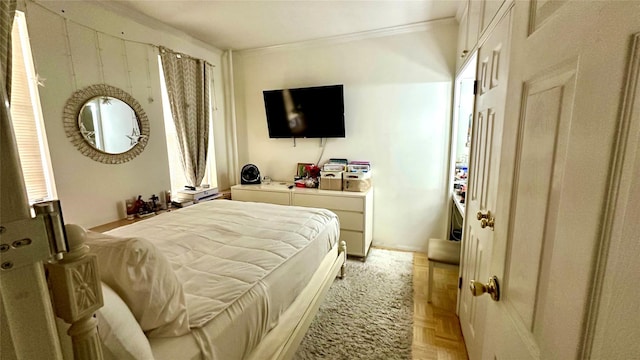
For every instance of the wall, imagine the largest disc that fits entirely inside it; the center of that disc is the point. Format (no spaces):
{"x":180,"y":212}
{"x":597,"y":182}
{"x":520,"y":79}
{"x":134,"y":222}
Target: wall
{"x":397,"y":93}
{"x":92,"y":193}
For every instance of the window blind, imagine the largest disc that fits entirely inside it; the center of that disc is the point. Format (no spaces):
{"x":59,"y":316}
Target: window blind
{"x":27,"y":126}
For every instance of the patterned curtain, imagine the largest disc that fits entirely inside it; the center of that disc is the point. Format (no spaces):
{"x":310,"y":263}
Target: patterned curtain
{"x":187,"y":80}
{"x":7,"y":12}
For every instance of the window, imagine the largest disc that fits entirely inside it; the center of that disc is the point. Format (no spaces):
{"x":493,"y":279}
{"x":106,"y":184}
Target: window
{"x":26,"y":115}
{"x":178,"y":180}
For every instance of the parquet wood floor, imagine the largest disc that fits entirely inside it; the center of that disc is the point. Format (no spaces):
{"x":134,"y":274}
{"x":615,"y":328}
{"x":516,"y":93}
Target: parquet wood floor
{"x":436,"y":329}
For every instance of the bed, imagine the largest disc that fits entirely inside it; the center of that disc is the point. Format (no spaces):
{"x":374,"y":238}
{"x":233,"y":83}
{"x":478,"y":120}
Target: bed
{"x":217,"y":280}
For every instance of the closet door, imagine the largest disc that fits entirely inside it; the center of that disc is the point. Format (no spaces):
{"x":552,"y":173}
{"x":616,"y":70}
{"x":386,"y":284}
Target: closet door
{"x":563,"y":116}
{"x":482,"y":189}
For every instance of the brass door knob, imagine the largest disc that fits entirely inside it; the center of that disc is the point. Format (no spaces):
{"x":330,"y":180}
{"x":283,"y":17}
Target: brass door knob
{"x":490,"y":223}
{"x":480,"y":215}
{"x":492,"y":288}
{"x":486,"y":219}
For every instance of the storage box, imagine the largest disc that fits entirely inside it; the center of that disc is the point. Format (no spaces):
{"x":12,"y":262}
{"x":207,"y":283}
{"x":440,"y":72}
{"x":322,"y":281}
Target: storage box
{"x":358,"y":182}
{"x":331,"y":180}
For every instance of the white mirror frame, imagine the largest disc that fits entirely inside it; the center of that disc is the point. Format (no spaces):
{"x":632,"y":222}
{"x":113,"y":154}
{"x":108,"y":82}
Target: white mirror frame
{"x":70,"y":117}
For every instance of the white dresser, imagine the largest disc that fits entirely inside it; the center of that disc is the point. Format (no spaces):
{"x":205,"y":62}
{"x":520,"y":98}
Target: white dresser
{"x":354,"y":209}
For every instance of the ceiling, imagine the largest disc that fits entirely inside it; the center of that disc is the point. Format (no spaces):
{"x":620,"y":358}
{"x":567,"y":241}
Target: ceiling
{"x":243,"y":24}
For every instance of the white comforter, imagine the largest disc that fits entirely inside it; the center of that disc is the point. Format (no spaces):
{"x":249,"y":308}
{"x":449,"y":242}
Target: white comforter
{"x":239,"y":263}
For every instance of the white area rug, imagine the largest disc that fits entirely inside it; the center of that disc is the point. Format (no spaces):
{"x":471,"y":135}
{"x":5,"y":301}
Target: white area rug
{"x":368,"y":315}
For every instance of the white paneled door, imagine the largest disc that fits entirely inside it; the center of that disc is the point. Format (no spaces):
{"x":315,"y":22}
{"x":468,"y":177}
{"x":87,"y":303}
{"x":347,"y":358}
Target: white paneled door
{"x":492,"y":71}
{"x":566,"y":80}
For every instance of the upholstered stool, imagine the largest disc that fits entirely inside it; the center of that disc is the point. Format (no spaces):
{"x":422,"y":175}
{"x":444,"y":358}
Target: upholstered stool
{"x":441,"y":253}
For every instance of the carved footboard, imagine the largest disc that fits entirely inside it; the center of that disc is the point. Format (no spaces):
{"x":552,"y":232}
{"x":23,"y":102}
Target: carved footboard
{"x":77,"y":293}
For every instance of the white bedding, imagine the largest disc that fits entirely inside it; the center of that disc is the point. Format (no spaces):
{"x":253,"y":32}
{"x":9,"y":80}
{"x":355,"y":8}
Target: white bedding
{"x":231,"y":258}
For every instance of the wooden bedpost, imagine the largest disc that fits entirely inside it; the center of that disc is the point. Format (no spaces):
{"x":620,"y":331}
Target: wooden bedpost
{"x":77,"y":294}
{"x":343,"y":249}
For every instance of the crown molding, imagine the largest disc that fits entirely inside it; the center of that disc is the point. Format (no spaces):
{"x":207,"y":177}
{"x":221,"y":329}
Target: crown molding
{"x":363,"y":35}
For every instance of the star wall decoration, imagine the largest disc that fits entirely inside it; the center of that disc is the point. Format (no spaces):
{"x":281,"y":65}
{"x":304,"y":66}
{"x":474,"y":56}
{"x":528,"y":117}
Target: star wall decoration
{"x":134,"y":137}
{"x":40,"y":80}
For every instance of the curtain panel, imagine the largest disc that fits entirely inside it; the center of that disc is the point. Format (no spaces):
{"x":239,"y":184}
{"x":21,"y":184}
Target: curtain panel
{"x":187,"y":81}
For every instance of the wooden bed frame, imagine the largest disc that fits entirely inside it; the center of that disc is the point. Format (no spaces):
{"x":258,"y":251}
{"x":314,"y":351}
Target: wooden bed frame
{"x":76,"y":292}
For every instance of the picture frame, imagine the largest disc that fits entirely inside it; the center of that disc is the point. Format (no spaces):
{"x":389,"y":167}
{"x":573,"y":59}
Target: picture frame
{"x":300,"y":170}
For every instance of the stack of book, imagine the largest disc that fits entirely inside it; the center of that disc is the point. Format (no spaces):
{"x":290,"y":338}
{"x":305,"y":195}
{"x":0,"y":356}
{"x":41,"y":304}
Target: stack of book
{"x":189,"y":197}
{"x":359,"y":166}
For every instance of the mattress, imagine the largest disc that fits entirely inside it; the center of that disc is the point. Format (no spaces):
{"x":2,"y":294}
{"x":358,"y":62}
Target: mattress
{"x":241,"y":266}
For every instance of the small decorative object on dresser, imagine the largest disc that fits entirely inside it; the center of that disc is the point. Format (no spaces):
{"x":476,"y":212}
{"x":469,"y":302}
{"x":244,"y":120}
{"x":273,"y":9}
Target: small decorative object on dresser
{"x":312,"y":171}
{"x":143,"y":209}
{"x":301,"y":169}
{"x":131,"y":208}
{"x":306,"y":175}
{"x":155,"y":204}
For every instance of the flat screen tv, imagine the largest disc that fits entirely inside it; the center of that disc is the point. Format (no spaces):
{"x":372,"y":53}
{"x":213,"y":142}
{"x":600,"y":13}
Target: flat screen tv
{"x":311,"y":112}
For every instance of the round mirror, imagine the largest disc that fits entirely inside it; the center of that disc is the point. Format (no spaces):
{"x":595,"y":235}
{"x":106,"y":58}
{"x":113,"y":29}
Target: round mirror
{"x":109,"y":124}
{"x":106,"y":124}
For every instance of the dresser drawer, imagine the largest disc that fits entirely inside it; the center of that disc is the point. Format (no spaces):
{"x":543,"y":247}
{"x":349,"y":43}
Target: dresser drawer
{"x":350,"y":220}
{"x":280,"y":198}
{"x":329,"y":202}
{"x":355,"y":242}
